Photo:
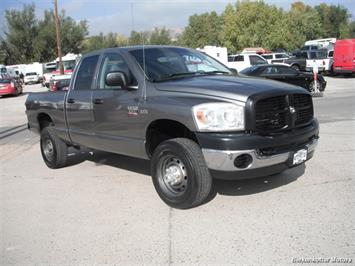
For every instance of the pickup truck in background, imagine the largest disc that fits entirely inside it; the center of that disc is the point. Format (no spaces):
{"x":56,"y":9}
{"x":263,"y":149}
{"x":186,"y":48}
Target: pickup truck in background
{"x":299,"y":60}
{"x":323,"y":60}
{"x":181,"y":109}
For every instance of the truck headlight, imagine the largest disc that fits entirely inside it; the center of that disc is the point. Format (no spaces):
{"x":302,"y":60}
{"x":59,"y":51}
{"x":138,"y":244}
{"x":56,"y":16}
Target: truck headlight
{"x":218,"y":117}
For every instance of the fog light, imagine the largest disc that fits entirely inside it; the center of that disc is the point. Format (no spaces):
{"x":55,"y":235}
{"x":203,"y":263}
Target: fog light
{"x":243,"y":161}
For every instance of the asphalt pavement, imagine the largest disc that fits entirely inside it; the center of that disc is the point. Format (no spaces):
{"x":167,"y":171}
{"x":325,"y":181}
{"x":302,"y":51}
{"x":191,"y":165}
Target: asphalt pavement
{"x":103,"y":209}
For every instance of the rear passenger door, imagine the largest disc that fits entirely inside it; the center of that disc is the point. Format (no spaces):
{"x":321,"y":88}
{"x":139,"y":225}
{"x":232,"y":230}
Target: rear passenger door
{"x":79,"y":110}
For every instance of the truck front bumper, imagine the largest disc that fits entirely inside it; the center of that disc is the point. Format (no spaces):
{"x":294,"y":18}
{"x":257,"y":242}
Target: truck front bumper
{"x":258,"y":155}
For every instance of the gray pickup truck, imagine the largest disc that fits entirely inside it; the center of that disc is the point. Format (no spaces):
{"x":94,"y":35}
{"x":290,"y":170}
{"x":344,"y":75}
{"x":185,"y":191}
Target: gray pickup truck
{"x":190,"y":115}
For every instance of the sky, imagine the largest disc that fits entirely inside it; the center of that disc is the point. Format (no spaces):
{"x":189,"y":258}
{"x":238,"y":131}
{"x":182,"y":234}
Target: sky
{"x":122,"y":16}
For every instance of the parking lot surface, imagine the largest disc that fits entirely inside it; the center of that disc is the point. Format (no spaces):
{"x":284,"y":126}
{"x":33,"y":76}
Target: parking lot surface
{"x":103,"y":209}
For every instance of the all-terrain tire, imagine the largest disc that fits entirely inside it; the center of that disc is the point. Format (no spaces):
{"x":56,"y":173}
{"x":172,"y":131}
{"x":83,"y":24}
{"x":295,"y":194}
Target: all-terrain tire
{"x":54,"y":151}
{"x":180,"y":174}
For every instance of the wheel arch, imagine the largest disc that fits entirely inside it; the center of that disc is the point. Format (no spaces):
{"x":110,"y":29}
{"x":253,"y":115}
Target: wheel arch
{"x":44,"y":120}
{"x":163,"y":129}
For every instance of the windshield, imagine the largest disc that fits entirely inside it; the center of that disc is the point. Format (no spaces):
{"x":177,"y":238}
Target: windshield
{"x":68,"y":65}
{"x":249,"y":70}
{"x":164,"y":63}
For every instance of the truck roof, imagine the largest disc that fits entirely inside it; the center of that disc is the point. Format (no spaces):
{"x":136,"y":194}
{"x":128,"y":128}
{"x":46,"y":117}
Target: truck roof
{"x":133,"y":47}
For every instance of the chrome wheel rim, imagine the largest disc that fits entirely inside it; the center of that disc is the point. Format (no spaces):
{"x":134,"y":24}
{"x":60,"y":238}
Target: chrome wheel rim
{"x":172,"y":175}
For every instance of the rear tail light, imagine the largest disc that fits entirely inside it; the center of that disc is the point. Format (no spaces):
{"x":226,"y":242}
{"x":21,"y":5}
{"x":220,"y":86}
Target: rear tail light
{"x":54,"y":86}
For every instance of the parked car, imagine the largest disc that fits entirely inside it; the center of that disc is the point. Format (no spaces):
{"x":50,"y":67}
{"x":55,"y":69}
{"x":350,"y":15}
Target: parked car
{"x":59,"y":83}
{"x":10,"y":86}
{"x":287,"y":74}
{"x":275,"y":57}
{"x":155,"y":102}
{"x":31,"y":77}
{"x":242,"y":61}
{"x":299,"y":60}
{"x":344,"y":56}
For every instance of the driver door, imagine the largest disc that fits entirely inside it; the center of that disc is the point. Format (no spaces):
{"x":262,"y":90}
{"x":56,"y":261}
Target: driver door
{"x":117,"y":120}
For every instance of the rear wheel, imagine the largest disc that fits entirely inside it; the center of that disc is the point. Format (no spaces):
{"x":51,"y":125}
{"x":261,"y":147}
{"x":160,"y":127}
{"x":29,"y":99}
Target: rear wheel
{"x":180,"y":175}
{"x":296,"y":67}
{"x":316,"y":90}
{"x":53,"y":149}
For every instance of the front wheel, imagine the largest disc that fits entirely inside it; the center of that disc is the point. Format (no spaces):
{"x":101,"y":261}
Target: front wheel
{"x":53,"y":149}
{"x":180,"y":175}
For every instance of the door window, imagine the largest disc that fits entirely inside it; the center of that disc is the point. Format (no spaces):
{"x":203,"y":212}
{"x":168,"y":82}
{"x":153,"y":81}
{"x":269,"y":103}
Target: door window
{"x":86,"y":72}
{"x":256,"y":60}
{"x":270,"y":70}
{"x":281,"y":56}
{"x":287,"y":70}
{"x":114,"y":62}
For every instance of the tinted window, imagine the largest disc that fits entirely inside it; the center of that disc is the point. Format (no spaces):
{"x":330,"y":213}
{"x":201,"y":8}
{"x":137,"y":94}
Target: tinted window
{"x":86,"y":73}
{"x":31,"y":74}
{"x":286,"y":70}
{"x":268,"y":56}
{"x":331,"y":54}
{"x":281,"y":56}
{"x":230,"y":58}
{"x":239,"y":58}
{"x":114,"y":62}
{"x":312,"y":55}
{"x":270,"y":70}
{"x":165,"y":63}
{"x":303,"y":55}
{"x":255,"y":60}
{"x":250,"y":70}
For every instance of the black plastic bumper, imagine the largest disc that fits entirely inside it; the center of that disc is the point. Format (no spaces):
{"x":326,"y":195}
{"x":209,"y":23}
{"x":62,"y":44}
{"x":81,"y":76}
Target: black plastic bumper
{"x":248,"y":141}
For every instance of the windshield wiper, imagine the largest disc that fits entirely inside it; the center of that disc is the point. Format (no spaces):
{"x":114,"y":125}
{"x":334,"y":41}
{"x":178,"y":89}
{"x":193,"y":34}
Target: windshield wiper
{"x":216,"y":72}
{"x":177,"y":75}
{"x":189,"y":74}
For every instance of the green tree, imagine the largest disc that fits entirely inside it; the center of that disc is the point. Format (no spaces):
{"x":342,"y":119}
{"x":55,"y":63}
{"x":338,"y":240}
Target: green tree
{"x":303,"y":23}
{"x":334,"y":19}
{"x":204,"y":29}
{"x":29,"y":39}
{"x":19,"y":39}
{"x":252,"y":24}
{"x":138,"y":38}
{"x":103,"y":41}
{"x":160,"y":36}
{"x":44,"y":44}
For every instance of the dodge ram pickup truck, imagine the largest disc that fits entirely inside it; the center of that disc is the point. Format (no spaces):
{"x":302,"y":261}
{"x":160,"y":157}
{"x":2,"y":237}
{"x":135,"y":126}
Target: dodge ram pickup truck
{"x":190,"y":115}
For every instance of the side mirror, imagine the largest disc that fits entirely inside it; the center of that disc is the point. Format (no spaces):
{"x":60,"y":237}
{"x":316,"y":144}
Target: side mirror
{"x":116,"y":79}
{"x":234,"y":71}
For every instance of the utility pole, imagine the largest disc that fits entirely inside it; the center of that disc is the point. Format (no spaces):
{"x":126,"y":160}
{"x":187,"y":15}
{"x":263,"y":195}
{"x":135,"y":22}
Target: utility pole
{"x":57,"y":30}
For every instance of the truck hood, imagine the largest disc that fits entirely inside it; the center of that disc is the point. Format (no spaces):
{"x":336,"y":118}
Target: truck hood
{"x":231,"y":87}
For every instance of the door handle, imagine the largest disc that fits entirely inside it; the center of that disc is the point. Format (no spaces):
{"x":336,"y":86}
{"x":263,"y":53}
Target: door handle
{"x":98,"y":101}
{"x":70,"y":100}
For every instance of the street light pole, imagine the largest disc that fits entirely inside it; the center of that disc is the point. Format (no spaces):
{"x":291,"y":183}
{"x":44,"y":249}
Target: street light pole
{"x":57,"y":29}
